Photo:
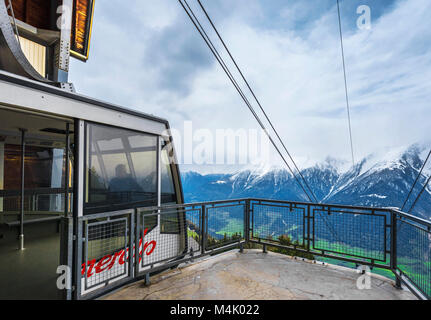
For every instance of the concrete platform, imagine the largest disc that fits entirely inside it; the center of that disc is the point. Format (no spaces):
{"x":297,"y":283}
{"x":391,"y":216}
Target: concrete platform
{"x":254,"y":275}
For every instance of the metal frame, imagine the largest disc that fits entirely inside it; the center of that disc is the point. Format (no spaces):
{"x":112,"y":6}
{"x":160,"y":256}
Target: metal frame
{"x":218,"y":206}
{"x":402,"y":276}
{"x":372,"y":214}
{"x":309,"y":230}
{"x":143,"y":264}
{"x":86,"y":241}
{"x":62,"y":47}
{"x":289,"y":206}
{"x":82,"y":242}
{"x":248,"y":205}
{"x":79,"y":188}
{"x":135,"y":271}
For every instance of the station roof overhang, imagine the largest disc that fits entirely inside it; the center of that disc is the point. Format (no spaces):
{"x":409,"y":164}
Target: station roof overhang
{"x":22,"y":93}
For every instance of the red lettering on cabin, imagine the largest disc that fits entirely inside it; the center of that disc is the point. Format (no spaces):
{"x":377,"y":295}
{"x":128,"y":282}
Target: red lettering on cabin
{"x":153,"y":246}
{"x":104,"y":261}
{"x":108,"y":261}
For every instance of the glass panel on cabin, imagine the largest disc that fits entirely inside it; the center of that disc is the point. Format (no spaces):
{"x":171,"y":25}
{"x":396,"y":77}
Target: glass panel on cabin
{"x":167,"y":187}
{"x":169,"y":223}
{"x":121,"y":168}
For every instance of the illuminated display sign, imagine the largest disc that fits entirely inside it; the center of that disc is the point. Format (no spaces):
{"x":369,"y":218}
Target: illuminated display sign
{"x":39,"y":14}
{"x":81,"y":28}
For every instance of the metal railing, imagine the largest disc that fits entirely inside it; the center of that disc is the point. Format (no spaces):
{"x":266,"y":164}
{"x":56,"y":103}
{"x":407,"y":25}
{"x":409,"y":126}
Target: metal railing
{"x":412,"y":253}
{"x":124,"y":246}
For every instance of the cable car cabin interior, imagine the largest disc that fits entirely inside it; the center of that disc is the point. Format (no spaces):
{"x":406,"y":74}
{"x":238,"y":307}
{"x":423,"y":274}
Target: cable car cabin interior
{"x":43,"y":202}
{"x":119,"y":169}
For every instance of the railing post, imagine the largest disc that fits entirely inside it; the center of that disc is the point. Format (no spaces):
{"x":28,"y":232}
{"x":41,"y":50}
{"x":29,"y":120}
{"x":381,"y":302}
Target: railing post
{"x":247,"y":221}
{"x":308,"y":219}
{"x":132,"y":244}
{"x":394,"y":248}
{"x":147,"y":279}
{"x":137,"y":241}
{"x":203,"y":226}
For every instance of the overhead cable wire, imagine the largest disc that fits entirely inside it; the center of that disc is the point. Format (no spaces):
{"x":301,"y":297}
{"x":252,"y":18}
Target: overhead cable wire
{"x":413,"y":186}
{"x":345,"y":82}
{"x":211,"y":46}
{"x":255,"y":98}
{"x":417,"y":179}
{"x":419,"y":195}
{"x":216,"y":54}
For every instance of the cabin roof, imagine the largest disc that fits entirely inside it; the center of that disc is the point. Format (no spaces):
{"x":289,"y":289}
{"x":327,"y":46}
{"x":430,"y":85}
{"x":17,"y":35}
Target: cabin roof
{"x":28,"y":83}
{"x":20,"y":92}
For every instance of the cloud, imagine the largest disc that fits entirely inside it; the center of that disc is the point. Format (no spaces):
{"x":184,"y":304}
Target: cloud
{"x":153,"y":60}
{"x":175,"y":57}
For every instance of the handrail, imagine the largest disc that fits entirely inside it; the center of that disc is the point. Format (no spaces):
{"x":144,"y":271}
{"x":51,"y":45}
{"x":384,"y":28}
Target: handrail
{"x":331,"y":205}
{"x":193,"y":204}
{"x":412,"y":217}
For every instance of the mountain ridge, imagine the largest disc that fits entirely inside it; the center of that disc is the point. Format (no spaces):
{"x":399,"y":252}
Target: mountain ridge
{"x":378,"y":180}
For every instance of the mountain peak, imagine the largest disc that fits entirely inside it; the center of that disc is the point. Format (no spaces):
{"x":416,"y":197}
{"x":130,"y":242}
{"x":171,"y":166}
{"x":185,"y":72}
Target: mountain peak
{"x":382,"y":179}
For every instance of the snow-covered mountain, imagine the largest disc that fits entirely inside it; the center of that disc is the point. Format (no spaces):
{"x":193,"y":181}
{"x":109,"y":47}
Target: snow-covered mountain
{"x":381,"y":180}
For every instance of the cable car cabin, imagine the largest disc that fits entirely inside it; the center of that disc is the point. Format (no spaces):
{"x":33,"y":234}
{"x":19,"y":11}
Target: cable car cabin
{"x":75,"y":173}
{"x":64,"y":158}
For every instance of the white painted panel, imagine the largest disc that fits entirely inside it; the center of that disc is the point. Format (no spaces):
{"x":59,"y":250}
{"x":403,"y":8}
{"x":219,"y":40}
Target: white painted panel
{"x":36,"y":100}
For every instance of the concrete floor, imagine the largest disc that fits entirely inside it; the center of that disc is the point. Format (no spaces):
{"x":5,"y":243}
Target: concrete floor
{"x":254,"y":275}
{"x":30,"y":274}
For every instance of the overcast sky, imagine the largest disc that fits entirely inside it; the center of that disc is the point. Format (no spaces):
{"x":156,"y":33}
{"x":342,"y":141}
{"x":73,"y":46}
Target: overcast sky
{"x":149,"y":57}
